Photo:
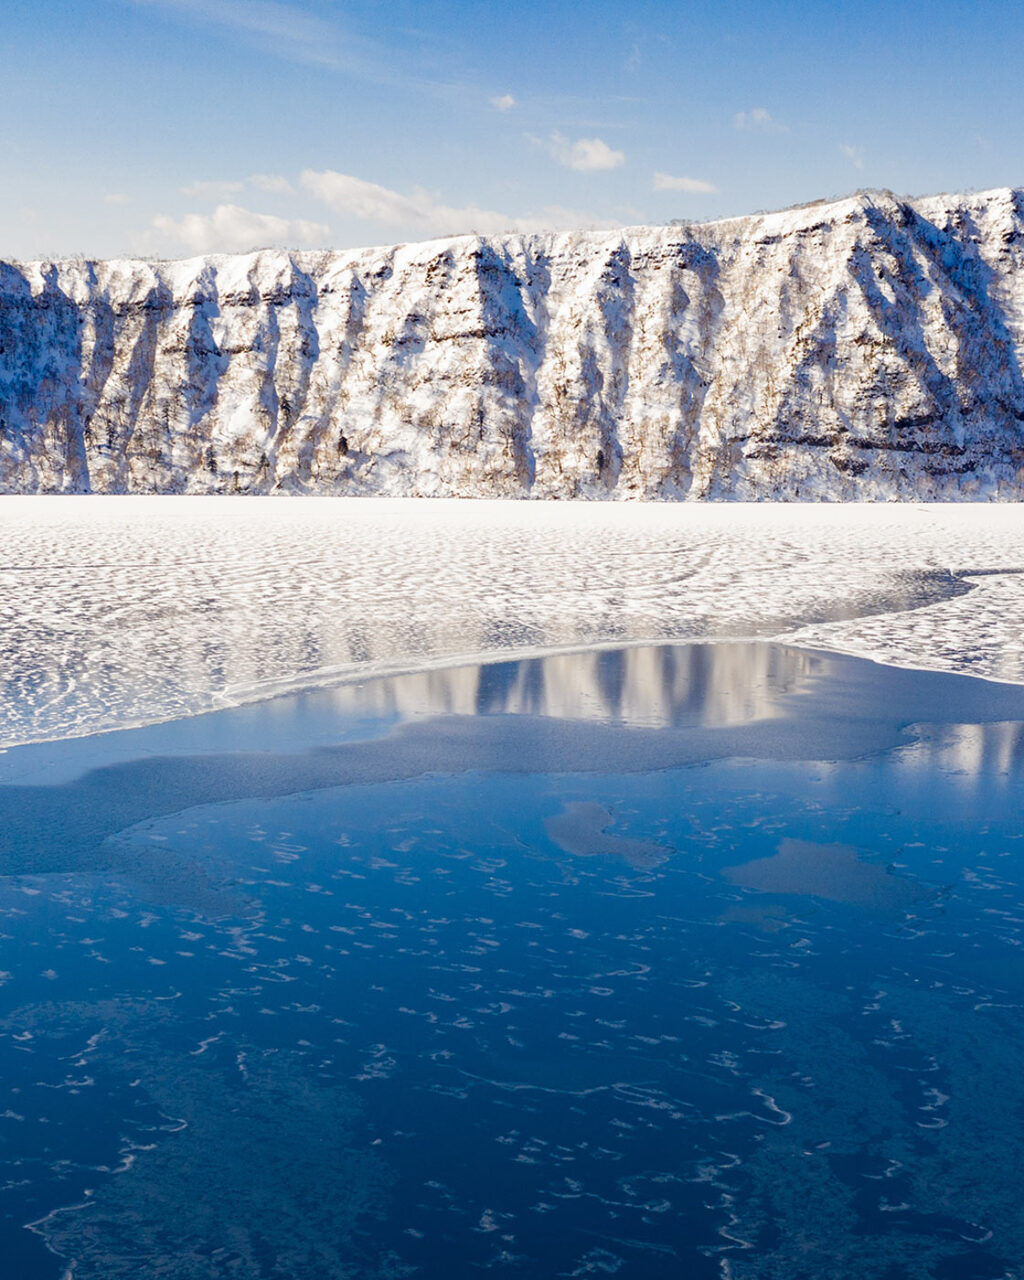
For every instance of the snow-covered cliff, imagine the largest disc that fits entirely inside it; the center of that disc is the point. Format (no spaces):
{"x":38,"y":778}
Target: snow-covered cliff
{"x":869,"y":348}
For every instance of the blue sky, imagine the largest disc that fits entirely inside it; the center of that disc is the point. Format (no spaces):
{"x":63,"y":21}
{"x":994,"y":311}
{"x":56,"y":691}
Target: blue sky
{"x":180,"y":126}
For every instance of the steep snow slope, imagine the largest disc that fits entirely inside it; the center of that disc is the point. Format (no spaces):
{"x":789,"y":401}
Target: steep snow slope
{"x":864,"y":349}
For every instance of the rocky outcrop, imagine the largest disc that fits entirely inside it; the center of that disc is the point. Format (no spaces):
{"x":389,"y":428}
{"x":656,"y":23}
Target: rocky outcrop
{"x":868,"y":348}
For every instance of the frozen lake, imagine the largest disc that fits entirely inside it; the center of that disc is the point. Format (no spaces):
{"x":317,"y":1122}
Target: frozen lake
{"x":537,"y":888}
{"x":119,"y":611}
{"x":714,"y":972}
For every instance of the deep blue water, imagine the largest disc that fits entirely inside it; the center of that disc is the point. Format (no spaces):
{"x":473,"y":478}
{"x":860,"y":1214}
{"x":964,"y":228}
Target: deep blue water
{"x":720,"y":974}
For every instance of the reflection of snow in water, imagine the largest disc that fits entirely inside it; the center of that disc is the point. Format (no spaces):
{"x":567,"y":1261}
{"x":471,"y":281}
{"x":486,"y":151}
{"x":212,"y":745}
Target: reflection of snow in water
{"x":132,"y":610}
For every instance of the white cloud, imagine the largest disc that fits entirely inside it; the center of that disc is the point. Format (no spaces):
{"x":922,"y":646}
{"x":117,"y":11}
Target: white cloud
{"x":369,"y":201}
{"x":855,"y":155}
{"x":504,"y":103}
{"x":758,"y":120}
{"x":231,"y":229}
{"x":373,"y":203}
{"x":590,"y":154}
{"x":422,"y":211}
{"x":211,"y":190}
{"x":587,"y":155}
{"x":696,"y":186}
{"x":272,"y":183}
{"x":116,"y":197}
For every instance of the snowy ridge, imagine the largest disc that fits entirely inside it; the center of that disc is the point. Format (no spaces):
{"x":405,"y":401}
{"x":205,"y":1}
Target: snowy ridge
{"x":865,"y":349}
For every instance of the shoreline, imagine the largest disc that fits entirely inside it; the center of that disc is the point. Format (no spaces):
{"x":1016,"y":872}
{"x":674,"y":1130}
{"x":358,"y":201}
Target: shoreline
{"x":299,"y":686}
{"x":299,"y":721}
{"x":123,"y":612}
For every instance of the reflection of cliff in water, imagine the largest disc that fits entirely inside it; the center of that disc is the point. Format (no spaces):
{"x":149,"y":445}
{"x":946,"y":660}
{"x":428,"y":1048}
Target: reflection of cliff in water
{"x":970,"y":750}
{"x":730,"y":683}
{"x":717,"y":684}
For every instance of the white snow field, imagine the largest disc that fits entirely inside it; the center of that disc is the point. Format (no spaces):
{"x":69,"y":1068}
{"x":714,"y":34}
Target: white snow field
{"x":118,"y":611}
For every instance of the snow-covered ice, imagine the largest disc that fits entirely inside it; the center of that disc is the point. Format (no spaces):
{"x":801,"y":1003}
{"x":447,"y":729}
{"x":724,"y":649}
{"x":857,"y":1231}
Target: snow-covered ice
{"x":119,"y":611}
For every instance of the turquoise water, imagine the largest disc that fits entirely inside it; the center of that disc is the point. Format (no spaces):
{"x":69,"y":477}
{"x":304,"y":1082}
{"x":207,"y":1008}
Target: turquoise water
{"x":713,"y":968}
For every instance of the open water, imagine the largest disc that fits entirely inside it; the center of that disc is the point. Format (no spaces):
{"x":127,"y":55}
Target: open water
{"x":714,"y":968}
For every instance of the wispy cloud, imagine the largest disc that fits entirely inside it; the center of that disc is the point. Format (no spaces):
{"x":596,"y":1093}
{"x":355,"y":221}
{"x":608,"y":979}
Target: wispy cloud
{"x":423,"y":211}
{"x":117,"y":197}
{"x":231,"y":229}
{"x":695,"y":186}
{"x":224,"y":188}
{"x":855,"y":155}
{"x":272,"y":183}
{"x":586,"y":155}
{"x":505,"y":103}
{"x":291,"y":32}
{"x":758,"y":120}
{"x":294,"y":32}
{"x":211,"y":190}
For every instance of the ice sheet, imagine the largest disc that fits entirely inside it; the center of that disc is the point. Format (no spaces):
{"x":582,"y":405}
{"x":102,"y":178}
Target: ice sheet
{"x":120,"y":611}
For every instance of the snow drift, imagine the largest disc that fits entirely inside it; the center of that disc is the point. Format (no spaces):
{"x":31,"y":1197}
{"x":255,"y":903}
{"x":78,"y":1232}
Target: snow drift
{"x":868,"y":348}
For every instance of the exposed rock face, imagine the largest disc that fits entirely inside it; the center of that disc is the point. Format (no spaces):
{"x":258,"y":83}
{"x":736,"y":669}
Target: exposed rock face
{"x":869,"y":348}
